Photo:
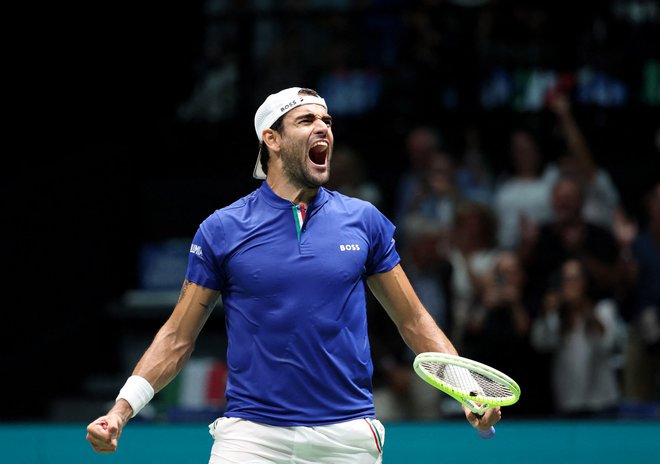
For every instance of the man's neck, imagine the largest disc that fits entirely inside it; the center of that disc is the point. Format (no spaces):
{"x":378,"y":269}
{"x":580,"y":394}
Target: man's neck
{"x":295,"y":194}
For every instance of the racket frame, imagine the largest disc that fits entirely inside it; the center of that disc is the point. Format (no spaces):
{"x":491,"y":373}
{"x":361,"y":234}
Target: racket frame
{"x":477,"y":403}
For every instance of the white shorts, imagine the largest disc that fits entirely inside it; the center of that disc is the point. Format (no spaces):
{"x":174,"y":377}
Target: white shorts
{"x":358,"y":441}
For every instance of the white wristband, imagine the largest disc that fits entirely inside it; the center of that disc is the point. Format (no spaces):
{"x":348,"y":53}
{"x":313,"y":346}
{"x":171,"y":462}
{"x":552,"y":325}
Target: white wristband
{"x":137,"y":391}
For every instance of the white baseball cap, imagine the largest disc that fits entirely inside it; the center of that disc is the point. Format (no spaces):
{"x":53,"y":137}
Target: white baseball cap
{"x":272,"y":109}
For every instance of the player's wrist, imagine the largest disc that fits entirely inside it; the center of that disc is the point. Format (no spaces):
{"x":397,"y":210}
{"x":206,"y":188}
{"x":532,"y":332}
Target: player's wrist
{"x":122,"y":409}
{"x":136,"y":393}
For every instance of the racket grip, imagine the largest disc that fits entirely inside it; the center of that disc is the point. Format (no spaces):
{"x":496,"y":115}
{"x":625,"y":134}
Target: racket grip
{"x":487,"y":434}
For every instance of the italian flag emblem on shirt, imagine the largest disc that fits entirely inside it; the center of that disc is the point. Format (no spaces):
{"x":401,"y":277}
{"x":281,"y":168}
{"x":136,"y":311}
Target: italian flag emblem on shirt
{"x":299,"y":212}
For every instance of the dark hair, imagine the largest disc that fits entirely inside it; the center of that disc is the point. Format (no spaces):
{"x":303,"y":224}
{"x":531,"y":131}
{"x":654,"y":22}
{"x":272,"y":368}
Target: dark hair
{"x":277,"y":126}
{"x":590,"y":291}
{"x":574,"y":180}
{"x":486,"y":216}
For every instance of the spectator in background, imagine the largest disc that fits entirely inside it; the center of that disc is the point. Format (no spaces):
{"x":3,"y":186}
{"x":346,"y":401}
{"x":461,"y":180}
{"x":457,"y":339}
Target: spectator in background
{"x":582,"y":331}
{"x":500,"y":315}
{"x":522,"y":199}
{"x":642,"y":248}
{"x":471,"y":255}
{"x":497,"y":331}
{"x":473,"y":175}
{"x":601,"y":197}
{"x":349,"y":177}
{"x":420,"y":143}
{"x":569,"y":235}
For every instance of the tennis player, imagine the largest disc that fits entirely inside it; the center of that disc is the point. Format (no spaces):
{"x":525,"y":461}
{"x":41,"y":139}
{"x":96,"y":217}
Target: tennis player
{"x":291,"y":261}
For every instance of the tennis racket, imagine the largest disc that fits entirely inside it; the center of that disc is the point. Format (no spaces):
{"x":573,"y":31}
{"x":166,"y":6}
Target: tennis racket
{"x":476,"y":385}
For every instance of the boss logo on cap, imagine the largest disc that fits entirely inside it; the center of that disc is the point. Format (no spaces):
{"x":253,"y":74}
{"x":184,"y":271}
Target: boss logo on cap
{"x":290,"y":105}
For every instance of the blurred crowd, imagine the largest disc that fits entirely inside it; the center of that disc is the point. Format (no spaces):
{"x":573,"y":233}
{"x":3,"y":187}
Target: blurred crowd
{"x":423,"y":56}
{"x":538,"y":270}
{"x":534,"y":263}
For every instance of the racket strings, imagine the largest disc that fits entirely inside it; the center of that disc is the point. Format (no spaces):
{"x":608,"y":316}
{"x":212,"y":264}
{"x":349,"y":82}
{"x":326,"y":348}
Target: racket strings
{"x":469,"y":382}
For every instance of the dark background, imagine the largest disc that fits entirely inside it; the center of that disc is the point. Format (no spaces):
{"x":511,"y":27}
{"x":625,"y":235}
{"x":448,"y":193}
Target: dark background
{"x":100,"y":159}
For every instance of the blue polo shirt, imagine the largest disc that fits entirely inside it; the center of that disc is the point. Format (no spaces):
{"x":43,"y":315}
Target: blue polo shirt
{"x":293,"y":292}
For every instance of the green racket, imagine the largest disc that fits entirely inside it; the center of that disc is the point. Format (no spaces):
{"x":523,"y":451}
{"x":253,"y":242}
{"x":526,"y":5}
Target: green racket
{"x":474,"y":384}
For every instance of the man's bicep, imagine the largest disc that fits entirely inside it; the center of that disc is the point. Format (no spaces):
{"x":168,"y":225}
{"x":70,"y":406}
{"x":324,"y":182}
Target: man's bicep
{"x":198,"y":294}
{"x":175,"y":340}
{"x":193,"y":308}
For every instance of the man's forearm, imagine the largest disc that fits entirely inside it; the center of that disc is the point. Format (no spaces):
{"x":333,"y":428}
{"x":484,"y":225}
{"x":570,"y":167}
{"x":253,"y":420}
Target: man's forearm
{"x":164,"y":359}
{"x":423,"y":334}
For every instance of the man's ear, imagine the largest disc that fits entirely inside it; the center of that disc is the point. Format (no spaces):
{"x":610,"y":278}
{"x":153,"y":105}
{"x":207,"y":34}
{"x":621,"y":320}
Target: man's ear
{"x":272,"y":140}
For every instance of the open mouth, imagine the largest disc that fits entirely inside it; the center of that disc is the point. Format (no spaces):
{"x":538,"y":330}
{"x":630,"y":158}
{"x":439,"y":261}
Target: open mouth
{"x":318,"y":152}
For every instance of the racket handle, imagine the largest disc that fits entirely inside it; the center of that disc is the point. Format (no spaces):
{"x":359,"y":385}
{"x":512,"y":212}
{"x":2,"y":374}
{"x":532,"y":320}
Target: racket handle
{"x":487,"y":434}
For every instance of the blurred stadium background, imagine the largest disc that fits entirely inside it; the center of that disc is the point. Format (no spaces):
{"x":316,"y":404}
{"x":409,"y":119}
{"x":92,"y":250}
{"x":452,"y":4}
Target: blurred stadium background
{"x":138,"y":120}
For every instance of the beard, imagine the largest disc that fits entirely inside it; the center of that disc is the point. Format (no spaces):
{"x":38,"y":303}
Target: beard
{"x":295,"y":168}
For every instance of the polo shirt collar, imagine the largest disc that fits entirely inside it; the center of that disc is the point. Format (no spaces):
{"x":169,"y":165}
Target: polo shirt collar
{"x":276,"y":201}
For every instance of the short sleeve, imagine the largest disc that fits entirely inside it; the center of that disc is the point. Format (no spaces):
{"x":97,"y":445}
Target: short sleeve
{"x":383,"y":255}
{"x":205,"y":257}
